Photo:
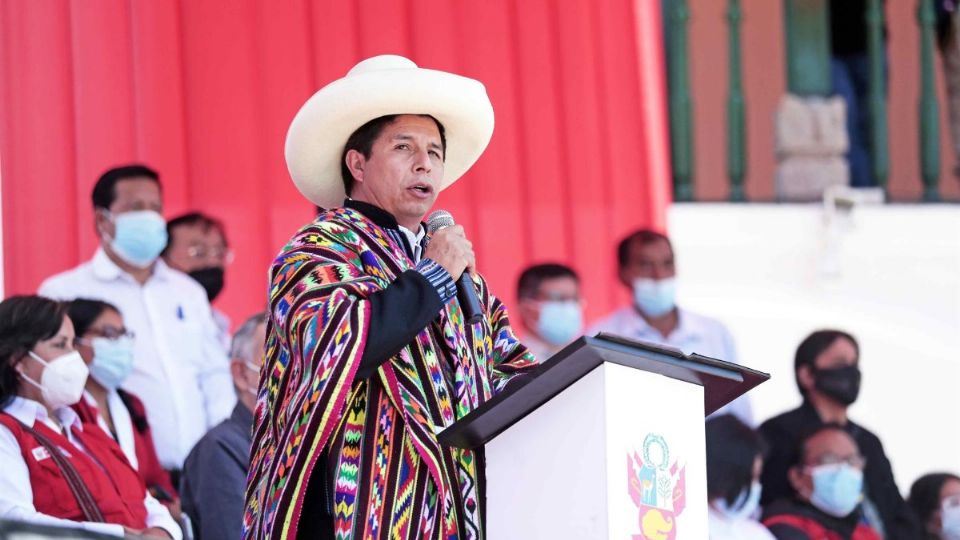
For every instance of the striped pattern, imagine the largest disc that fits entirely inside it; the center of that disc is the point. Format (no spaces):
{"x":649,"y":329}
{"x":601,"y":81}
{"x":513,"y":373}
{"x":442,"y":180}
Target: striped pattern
{"x":439,"y":278}
{"x":392,"y":479}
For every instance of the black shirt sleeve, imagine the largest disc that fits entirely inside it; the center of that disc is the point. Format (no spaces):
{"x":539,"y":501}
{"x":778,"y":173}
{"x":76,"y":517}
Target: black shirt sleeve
{"x":397,"y":314}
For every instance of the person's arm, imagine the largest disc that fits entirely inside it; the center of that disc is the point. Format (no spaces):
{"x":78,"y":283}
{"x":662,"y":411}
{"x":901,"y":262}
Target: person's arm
{"x":213,"y":371}
{"x":215,"y":476}
{"x":158,"y":517}
{"x":402,"y":310}
{"x":16,"y":493}
{"x":898,"y":518}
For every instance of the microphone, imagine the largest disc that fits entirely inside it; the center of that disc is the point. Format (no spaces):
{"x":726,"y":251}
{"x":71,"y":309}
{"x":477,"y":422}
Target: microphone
{"x":466,"y":292}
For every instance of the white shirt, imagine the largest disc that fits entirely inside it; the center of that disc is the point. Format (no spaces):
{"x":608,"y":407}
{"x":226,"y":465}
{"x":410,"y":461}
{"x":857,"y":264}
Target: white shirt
{"x":694,"y":334}
{"x":122,"y":423}
{"x":721,"y":527}
{"x":16,"y":493}
{"x":181,"y":371}
{"x":223,"y":327}
{"x":415,"y":239}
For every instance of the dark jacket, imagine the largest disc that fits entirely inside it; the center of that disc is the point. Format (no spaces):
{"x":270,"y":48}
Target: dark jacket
{"x":793,"y":519}
{"x":783,"y":434}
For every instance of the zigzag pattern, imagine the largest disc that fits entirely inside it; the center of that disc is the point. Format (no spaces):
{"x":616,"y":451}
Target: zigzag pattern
{"x":392,"y":478}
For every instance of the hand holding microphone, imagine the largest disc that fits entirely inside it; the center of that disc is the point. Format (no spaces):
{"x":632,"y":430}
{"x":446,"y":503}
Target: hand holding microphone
{"x":451,"y":249}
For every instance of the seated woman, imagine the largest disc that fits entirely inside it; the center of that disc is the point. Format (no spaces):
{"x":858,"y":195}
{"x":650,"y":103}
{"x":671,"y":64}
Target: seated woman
{"x":734,"y":462}
{"x":936,"y":500}
{"x":58,"y":470}
{"x":107,"y":349}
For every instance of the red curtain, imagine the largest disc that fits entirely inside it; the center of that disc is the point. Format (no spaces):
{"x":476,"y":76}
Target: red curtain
{"x":204,"y":92}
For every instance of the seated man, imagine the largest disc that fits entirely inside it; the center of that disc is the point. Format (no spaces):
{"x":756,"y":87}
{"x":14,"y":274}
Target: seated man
{"x":828,"y":479}
{"x":215,"y":472}
{"x":550,"y":308}
{"x":198,"y":247}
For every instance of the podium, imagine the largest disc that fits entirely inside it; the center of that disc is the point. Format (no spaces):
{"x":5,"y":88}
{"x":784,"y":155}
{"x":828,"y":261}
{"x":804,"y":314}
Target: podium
{"x":604,"y":440}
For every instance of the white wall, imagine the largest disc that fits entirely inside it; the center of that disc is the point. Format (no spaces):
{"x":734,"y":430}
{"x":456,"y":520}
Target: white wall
{"x":890,"y":275}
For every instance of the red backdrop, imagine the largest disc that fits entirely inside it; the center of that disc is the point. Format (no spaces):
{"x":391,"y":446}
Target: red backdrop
{"x":204,"y":91}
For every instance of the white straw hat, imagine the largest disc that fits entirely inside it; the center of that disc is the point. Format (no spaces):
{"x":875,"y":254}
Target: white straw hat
{"x":380,"y":86}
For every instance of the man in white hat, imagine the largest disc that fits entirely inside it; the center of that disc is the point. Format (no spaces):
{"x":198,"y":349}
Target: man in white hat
{"x":368,"y":355}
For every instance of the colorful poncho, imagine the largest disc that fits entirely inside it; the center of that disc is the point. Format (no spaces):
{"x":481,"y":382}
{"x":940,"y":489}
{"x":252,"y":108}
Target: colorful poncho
{"x":392,"y":479}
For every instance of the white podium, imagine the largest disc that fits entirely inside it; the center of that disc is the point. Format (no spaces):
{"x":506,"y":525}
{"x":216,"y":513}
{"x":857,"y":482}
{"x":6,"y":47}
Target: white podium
{"x":605,"y":440}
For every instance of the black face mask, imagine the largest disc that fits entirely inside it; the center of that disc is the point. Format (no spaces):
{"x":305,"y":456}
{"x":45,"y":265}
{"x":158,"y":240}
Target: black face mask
{"x":211,"y":279}
{"x":841,"y":384}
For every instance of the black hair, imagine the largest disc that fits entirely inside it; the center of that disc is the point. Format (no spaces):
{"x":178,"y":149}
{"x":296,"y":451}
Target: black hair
{"x":813,"y":346}
{"x":642,"y":237}
{"x":105,"y":192}
{"x":363,"y":138}
{"x":732,"y":447}
{"x":194,"y":218}
{"x":83,"y":312}
{"x":924,"y":496}
{"x":800,"y":454}
{"x":24,"y":322}
{"x":530,"y":279}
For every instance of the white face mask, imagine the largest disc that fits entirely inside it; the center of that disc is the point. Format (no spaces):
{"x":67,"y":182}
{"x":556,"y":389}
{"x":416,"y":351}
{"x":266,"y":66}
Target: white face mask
{"x":256,"y":369}
{"x":63,"y":379}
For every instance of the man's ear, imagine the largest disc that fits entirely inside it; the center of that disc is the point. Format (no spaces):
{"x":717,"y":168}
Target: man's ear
{"x":795,"y":476}
{"x":355,"y":163}
{"x":806,"y":378}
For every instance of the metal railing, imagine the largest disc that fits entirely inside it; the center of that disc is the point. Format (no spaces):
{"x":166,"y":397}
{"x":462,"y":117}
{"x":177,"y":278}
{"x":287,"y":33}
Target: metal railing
{"x":808,"y":73}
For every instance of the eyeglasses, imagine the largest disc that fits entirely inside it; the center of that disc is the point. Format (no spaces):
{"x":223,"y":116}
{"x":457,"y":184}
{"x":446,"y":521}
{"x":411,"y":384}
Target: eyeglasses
{"x":950,"y":501}
{"x":109,"y":332}
{"x":856,"y":460}
{"x":220,"y":254}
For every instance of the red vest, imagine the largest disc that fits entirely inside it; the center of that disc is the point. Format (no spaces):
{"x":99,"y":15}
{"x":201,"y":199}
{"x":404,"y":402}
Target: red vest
{"x":814,"y":530}
{"x":148,"y":465}
{"x":115,"y":486}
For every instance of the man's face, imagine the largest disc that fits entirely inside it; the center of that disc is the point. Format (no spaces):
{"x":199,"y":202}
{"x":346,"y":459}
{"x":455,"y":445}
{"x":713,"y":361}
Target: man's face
{"x":246,"y":373}
{"x":559,"y":289}
{"x":653,"y":260}
{"x":829,"y":447}
{"x":404,"y":170}
{"x":841,"y":353}
{"x":130,"y":194}
{"x":196,"y":246}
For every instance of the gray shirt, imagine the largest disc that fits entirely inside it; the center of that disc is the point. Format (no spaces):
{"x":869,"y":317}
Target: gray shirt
{"x":215,"y":477}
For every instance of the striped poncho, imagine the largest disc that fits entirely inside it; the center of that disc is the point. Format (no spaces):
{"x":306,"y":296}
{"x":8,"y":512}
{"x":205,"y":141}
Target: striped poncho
{"x":391,"y":478}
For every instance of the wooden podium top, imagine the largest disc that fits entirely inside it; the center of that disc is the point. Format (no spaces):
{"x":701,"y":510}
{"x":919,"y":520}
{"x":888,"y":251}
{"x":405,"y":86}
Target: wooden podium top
{"x":722,"y":382}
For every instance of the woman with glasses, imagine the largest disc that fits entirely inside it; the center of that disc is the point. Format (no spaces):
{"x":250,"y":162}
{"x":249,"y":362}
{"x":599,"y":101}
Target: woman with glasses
{"x":57,"y":469}
{"x":106,"y":347}
{"x":936,"y":500}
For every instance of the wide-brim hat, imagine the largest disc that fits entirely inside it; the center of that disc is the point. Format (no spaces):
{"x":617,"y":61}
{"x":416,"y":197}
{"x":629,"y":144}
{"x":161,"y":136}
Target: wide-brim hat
{"x":380,"y":86}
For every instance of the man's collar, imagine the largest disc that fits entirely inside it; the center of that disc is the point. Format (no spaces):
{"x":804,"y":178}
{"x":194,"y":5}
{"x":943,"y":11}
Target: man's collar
{"x":680,"y":331}
{"x":107,"y":270}
{"x":374,"y":213}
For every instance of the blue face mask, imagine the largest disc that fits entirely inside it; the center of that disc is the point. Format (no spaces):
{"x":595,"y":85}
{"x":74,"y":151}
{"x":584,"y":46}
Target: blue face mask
{"x":837,"y":489}
{"x":744,"y":506}
{"x":559,"y":322}
{"x":140,"y":237}
{"x":950,"y":519}
{"x":112,"y":361}
{"x":655,"y":297}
